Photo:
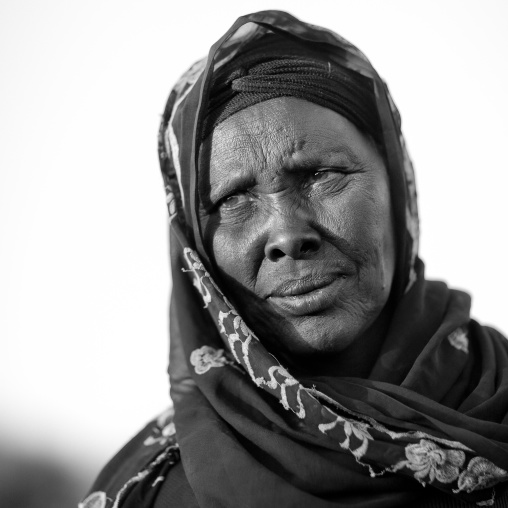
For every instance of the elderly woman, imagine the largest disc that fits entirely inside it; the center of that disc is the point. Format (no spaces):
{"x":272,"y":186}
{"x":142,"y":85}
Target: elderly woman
{"x":312,"y":365}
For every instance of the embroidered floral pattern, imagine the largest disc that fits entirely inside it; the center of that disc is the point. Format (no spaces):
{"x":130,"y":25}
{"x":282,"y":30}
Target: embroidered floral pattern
{"x":170,"y":202}
{"x":195,"y":264}
{"x":480,"y":474}
{"x":94,"y":500}
{"x":488,"y":502}
{"x":169,"y":457}
{"x":206,"y":357}
{"x":286,"y":380}
{"x":430,"y":462}
{"x":458,"y":339}
{"x":239,"y":329}
{"x":278,"y":377}
{"x":359,"y":430}
{"x":164,"y":430}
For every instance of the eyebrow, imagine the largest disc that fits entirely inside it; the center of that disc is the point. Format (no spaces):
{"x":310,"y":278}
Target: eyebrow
{"x":316,"y":159}
{"x":234,"y":183}
{"x":243,"y":182}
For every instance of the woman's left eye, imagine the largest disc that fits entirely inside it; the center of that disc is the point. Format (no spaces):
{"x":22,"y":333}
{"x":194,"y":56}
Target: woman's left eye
{"x":320,"y":175}
{"x":324,"y":175}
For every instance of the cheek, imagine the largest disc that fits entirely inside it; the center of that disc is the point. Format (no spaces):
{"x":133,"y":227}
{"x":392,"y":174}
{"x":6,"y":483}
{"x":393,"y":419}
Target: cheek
{"x":385,"y":234}
{"x":363,"y":221}
{"x":237,"y":253}
{"x":377,"y":237}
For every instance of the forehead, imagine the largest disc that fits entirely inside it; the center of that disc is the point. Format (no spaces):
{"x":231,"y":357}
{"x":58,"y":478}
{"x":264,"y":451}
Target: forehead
{"x":278,"y":136}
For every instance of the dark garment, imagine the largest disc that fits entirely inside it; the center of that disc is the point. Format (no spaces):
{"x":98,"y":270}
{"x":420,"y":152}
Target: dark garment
{"x":427,"y":425}
{"x":175,"y":491}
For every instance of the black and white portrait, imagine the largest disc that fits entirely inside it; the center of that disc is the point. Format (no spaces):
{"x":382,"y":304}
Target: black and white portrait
{"x":253,"y":254}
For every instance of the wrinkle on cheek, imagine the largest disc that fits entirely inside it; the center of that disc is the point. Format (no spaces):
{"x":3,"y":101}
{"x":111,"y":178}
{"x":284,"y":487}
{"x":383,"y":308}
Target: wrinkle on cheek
{"x":239,"y":254}
{"x":362,"y":229}
{"x":340,"y":229}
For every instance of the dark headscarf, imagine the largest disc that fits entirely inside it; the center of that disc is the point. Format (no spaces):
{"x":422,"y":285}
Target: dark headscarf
{"x":274,"y":66}
{"x":433,"y":410}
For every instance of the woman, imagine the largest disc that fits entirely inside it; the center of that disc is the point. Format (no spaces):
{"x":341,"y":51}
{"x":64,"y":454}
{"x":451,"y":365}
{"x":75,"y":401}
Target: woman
{"x":311,"y":363}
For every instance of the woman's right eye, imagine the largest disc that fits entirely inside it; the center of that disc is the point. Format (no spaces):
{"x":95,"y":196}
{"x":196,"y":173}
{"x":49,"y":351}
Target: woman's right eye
{"x":234,"y":200}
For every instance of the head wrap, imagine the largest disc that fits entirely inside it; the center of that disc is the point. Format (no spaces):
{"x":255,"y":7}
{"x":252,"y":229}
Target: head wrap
{"x":237,"y":74}
{"x":274,"y":66}
{"x":433,"y":410}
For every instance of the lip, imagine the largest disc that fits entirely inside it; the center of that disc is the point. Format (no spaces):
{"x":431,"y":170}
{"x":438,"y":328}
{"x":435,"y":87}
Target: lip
{"x":306,"y":295}
{"x":303,"y":285}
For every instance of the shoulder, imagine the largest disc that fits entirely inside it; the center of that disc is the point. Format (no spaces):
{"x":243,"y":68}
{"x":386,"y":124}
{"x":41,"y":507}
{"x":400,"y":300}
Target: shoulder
{"x":154,"y":444}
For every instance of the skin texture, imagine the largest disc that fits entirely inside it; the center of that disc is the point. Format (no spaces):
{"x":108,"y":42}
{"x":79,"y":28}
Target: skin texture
{"x":296,"y":215}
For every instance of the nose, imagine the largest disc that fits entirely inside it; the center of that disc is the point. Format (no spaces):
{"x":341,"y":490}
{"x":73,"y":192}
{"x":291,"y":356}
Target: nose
{"x":293,"y":240}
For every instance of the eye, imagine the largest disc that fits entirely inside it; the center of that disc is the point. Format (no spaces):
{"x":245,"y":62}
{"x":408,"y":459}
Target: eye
{"x":320,"y":175}
{"x":234,"y":200}
{"x":325,"y":174}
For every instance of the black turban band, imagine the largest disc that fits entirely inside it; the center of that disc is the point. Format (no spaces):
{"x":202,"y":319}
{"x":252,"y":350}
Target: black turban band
{"x":277,"y":67}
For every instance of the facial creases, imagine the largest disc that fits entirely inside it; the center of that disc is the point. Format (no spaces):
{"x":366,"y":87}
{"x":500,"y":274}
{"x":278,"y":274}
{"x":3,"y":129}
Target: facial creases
{"x":296,"y":214}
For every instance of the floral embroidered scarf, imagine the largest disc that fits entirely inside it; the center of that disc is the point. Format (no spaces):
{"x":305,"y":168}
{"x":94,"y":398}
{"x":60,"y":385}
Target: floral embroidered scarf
{"x":433,"y":411}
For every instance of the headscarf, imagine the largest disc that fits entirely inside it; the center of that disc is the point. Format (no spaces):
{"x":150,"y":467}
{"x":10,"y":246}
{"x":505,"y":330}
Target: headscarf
{"x":274,"y":66}
{"x":433,"y":410}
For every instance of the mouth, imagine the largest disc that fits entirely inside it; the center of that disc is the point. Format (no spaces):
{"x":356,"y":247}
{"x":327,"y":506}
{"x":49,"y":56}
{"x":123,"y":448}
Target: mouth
{"x":307,"y":295}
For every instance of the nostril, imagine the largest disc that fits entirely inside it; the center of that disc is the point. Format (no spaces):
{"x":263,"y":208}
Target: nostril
{"x":309,"y":246}
{"x":276,"y":254}
{"x":293,"y":243}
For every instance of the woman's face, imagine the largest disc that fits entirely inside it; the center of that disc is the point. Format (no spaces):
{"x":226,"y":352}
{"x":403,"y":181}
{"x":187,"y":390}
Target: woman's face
{"x":296,"y":215}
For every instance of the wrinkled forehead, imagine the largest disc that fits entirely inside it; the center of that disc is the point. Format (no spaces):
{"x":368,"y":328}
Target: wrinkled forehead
{"x":279,"y":137}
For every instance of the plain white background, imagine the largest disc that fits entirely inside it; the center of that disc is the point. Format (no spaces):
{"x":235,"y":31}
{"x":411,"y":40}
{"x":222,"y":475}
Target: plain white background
{"x":84,"y":279}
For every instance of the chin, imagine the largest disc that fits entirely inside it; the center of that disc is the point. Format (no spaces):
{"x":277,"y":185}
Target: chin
{"x":310,"y":335}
